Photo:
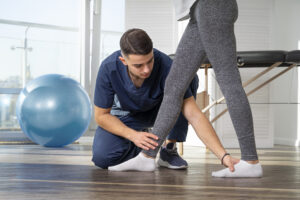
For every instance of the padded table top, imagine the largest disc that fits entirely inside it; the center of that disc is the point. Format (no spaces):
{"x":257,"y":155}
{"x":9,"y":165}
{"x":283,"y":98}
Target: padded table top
{"x":264,"y":58}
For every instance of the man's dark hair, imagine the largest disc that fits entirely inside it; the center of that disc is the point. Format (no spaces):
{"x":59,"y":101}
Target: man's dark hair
{"x":136,"y":41}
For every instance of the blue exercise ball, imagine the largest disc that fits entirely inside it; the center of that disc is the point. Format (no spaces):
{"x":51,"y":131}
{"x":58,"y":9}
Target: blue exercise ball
{"x":53,"y":110}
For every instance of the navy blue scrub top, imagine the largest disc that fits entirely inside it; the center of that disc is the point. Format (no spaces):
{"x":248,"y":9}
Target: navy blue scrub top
{"x":114,"y":88}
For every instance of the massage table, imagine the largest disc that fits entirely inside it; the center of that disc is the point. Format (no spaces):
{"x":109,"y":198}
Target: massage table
{"x":248,"y":59}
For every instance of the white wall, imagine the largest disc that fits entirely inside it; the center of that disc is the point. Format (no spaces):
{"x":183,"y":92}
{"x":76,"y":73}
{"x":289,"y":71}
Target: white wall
{"x":285,"y":30}
{"x":157,"y":18}
{"x":284,"y":92}
{"x":253,"y":27}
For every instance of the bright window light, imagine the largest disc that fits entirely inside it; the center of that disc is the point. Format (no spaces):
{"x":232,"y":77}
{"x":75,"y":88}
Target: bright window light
{"x":5,"y":101}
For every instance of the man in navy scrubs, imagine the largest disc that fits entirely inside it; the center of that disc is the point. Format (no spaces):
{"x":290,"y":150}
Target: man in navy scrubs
{"x":129,"y":90}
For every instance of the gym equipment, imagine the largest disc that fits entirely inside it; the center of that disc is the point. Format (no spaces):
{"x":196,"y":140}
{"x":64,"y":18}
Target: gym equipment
{"x":53,"y":110}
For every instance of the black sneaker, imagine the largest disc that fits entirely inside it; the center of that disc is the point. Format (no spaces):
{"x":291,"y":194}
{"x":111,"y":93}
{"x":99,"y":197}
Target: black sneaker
{"x":170,"y":158}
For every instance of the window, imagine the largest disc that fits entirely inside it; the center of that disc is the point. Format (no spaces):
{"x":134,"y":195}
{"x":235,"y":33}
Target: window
{"x":36,"y":37}
{"x":112,"y":26}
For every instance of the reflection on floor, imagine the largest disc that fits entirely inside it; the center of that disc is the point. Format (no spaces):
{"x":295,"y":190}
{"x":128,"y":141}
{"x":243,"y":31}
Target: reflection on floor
{"x":35,"y":172}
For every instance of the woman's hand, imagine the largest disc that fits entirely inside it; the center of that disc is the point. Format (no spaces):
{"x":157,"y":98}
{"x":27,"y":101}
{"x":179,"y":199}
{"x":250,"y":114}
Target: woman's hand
{"x":144,"y":140}
{"x":229,"y":162}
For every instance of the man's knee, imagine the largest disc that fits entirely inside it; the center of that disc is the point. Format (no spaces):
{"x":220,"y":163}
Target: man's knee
{"x":106,"y":154}
{"x":107,"y":148}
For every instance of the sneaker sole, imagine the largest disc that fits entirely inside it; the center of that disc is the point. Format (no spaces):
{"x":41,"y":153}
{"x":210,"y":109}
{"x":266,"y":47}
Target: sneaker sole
{"x":162,"y":163}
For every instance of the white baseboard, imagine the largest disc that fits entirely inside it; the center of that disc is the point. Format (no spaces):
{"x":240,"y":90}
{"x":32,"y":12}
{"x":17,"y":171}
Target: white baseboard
{"x":286,"y":141}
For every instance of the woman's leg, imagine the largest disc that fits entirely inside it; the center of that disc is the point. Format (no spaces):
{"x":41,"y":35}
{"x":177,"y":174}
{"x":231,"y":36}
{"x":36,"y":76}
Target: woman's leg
{"x":215,"y":19}
{"x":188,"y":58}
{"x":180,"y":129}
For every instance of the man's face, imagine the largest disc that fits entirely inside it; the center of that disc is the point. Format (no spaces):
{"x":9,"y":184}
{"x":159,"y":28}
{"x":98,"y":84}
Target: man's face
{"x":139,"y":66}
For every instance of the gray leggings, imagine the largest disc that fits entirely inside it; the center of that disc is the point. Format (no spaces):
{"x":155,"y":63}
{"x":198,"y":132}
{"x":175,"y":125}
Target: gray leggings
{"x":210,"y":33}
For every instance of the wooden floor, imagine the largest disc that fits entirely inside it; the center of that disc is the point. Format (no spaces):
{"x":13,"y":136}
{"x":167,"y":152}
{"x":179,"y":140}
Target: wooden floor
{"x":35,"y":172}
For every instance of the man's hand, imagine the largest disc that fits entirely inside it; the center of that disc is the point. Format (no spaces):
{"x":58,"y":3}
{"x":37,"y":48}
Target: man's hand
{"x":144,"y":140}
{"x":230,"y":162}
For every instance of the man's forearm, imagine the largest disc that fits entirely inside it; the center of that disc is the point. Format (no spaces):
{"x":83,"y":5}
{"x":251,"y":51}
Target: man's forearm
{"x":114,"y":125}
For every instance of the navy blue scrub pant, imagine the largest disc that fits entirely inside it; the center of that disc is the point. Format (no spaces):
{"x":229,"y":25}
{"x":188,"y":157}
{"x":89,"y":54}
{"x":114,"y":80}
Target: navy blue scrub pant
{"x":110,"y":149}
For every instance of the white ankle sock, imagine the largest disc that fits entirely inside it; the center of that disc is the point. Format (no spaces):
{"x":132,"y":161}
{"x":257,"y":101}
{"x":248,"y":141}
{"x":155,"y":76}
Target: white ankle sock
{"x":242,"y":169}
{"x":138,"y":163}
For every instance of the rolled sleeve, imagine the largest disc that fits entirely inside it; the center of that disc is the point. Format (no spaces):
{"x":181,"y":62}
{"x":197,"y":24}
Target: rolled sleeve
{"x":192,"y":89}
{"x":104,"y":93}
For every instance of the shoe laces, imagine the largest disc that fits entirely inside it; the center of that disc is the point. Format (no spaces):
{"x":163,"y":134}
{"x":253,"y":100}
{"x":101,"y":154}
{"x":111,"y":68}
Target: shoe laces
{"x":173,"y":152}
